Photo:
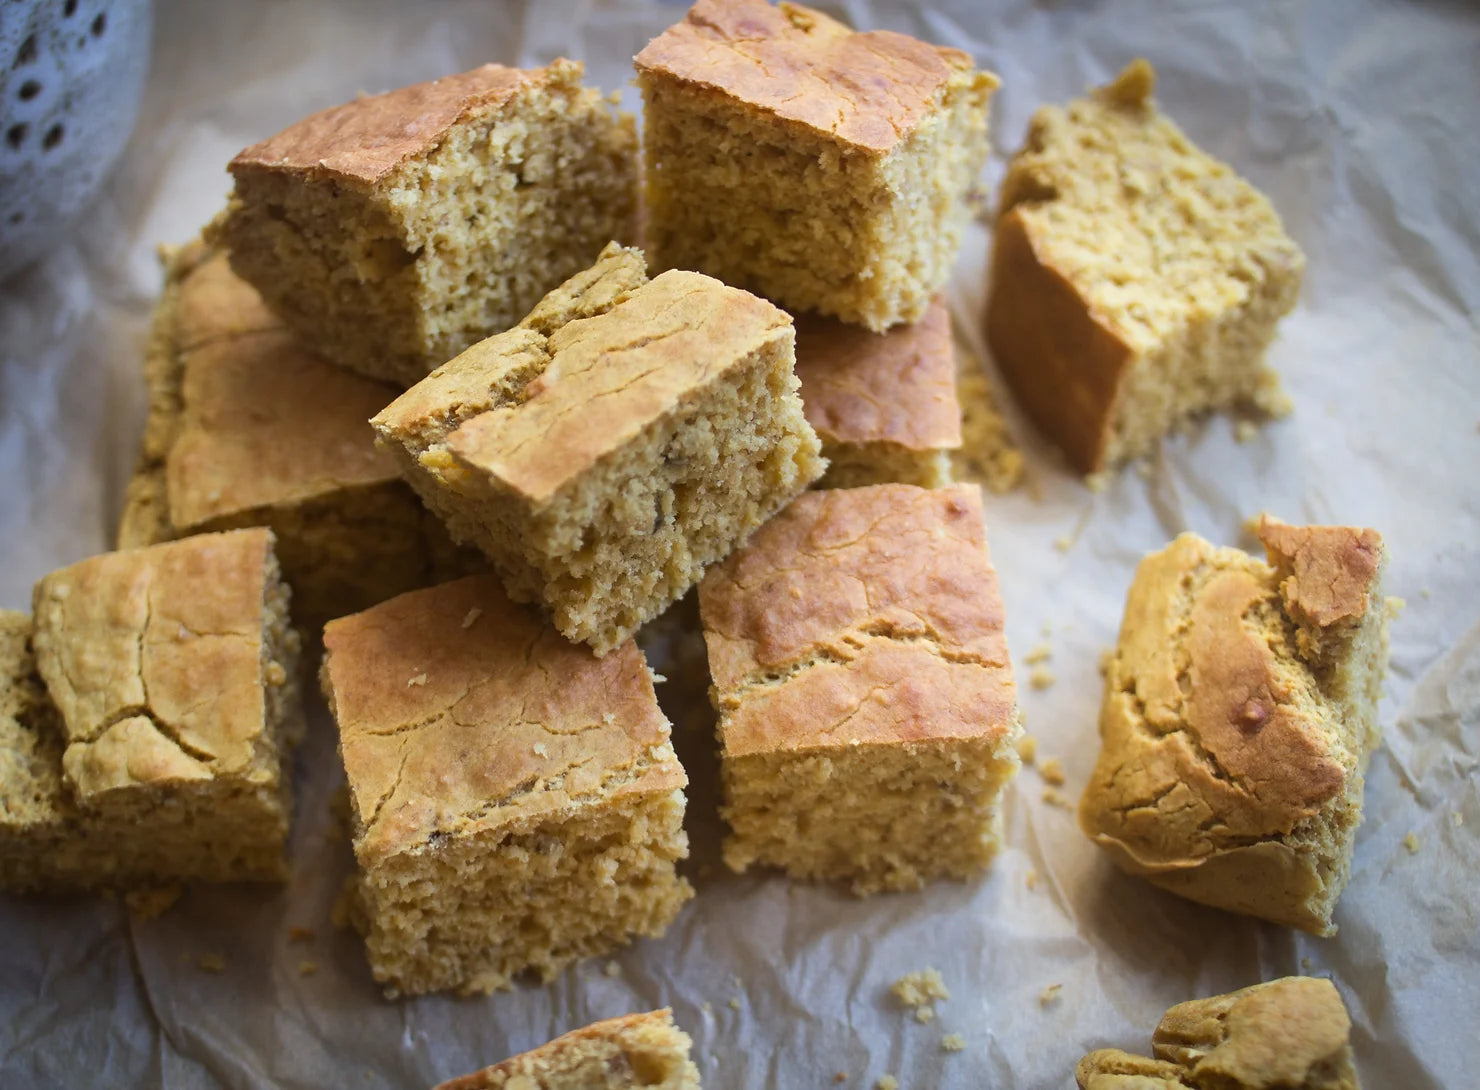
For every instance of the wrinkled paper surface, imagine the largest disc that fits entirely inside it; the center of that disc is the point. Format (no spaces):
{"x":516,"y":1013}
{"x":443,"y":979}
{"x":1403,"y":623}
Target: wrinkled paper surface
{"x":1358,"y":119}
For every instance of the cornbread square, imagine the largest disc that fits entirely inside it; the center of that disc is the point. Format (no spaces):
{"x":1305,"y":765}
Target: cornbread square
{"x":1293,"y":1032}
{"x":867,"y":712}
{"x":1135,"y":280}
{"x":392,"y":232}
{"x":822,"y":168}
{"x":631,"y":1051}
{"x":246,"y":427}
{"x":172,"y":673}
{"x":883,"y":404}
{"x":624,"y":436}
{"x":516,"y":802}
{"x":1240,"y":709}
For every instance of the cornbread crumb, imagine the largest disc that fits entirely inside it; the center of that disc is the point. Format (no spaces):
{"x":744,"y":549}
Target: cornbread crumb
{"x":149,"y":904}
{"x":472,"y":616}
{"x":924,"y":1014}
{"x":734,"y":1002}
{"x":611,"y":968}
{"x":707,"y":1007}
{"x":1305,"y":963}
{"x":1412,"y":843}
{"x":1052,"y":771}
{"x":1245,"y":431}
{"x":1457,"y":819}
{"x":1097,"y":482}
{"x":300,"y":934}
{"x":840,"y":1076}
{"x":1050,"y":995}
{"x":1041,"y":677}
{"x":211,"y":963}
{"x":307,"y":968}
{"x":1027,"y":749}
{"x":1039,"y":653}
{"x":1055,"y":797}
{"x":1031,"y":879}
{"x":920,"y":988}
{"x":1063,"y":543}
{"x":886,"y":1082}
{"x":952,"y":1042}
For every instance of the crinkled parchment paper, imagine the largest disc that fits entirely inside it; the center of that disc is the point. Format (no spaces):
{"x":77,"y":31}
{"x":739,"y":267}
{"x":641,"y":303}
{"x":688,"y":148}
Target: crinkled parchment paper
{"x":1362,"y":122}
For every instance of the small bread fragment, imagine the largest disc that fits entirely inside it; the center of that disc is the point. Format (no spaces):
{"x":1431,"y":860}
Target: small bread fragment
{"x":1240,"y":710}
{"x":1287,"y":1034}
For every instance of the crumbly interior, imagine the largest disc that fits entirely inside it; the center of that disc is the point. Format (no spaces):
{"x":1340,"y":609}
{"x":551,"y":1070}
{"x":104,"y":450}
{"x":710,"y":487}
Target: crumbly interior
{"x":801,"y":219}
{"x":855,"y":465}
{"x":618,"y":1054}
{"x":987,"y":455}
{"x":1187,"y":263}
{"x":455,"y":245}
{"x":471,"y":911}
{"x":881,"y":817}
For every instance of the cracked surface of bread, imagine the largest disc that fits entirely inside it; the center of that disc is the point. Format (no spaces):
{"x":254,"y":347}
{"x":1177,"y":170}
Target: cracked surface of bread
{"x":615,"y":1054}
{"x":1293,"y":1032}
{"x":392,"y":232}
{"x":882,"y":404}
{"x":246,"y":427}
{"x":1136,"y":280}
{"x":867,"y":707}
{"x":516,"y":802}
{"x":623,"y":437}
{"x":822,"y":168}
{"x":1239,"y":713}
{"x":172,"y":670}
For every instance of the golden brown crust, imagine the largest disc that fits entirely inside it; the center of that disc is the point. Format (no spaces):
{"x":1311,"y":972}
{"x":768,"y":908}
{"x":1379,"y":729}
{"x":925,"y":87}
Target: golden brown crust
{"x":458,"y":709}
{"x":1112,"y":1069}
{"x":364,"y":140}
{"x":1327,"y":573}
{"x":897,"y":387}
{"x":647,"y":1049}
{"x":867,"y":90}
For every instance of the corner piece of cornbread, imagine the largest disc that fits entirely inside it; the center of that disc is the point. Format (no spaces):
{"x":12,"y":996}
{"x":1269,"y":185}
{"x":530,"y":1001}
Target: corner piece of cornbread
{"x":516,"y":802}
{"x":823,"y":168}
{"x":393,"y":231}
{"x":883,"y":404}
{"x":636,"y":1050}
{"x":867,"y":707}
{"x":1290,"y":1032}
{"x":248,"y":428}
{"x":1135,"y":279}
{"x":159,"y":751}
{"x":624,"y":436}
{"x":1240,"y":710}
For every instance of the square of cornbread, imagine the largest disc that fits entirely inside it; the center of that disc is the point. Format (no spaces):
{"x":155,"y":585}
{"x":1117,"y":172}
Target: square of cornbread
{"x":247,"y":427}
{"x":632,"y":1051}
{"x":1290,"y":1032}
{"x":1135,"y":279}
{"x":883,"y":404}
{"x":392,"y":232}
{"x":515,"y":800}
{"x":171,"y":672}
{"x":1240,"y":709}
{"x":624,"y":436}
{"x":867,"y":711}
{"x":822,"y":168}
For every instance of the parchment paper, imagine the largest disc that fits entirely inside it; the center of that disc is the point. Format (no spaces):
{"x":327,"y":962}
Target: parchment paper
{"x":1358,"y":119}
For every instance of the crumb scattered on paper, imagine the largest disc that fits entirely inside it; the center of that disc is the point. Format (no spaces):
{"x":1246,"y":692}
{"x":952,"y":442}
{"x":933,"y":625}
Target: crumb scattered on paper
{"x":1050,"y":995}
{"x":924,"y":1014}
{"x":1052,"y":771}
{"x":921,"y":988}
{"x":1027,"y":748}
{"x":1054,"y":797}
{"x":1031,"y":879}
{"x":1096,"y":482}
{"x":734,"y":1002}
{"x":1245,"y":431}
{"x":612,"y":969}
{"x":1041,"y":677}
{"x":840,"y":1076}
{"x":1063,"y":543}
{"x":952,"y":1042}
{"x":1457,"y":819}
{"x":1411,"y":842}
{"x":887,"y":1082}
{"x":1039,"y":653}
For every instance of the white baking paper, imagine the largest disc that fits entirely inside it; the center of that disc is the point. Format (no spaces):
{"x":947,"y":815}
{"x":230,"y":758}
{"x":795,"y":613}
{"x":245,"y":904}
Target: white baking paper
{"x":1362,"y":123}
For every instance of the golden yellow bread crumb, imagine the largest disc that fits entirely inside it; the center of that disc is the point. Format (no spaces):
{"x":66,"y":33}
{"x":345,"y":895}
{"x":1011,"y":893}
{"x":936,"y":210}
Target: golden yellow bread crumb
{"x":1041,"y":677}
{"x":952,"y":1042}
{"x":886,"y":1082}
{"x":1027,"y":748}
{"x":1050,"y":995}
{"x":920,"y":988}
{"x":1052,"y":771}
{"x":1412,"y":843}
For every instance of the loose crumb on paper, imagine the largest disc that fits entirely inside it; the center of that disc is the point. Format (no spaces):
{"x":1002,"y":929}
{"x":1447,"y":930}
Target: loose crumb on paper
{"x":1055,"y":797}
{"x":1456,"y":819}
{"x":307,"y":968}
{"x":840,"y":1076}
{"x":1412,"y":843}
{"x":952,"y":1042}
{"x":1096,"y":482}
{"x":1305,"y":964}
{"x":612,"y":969}
{"x":211,"y":963}
{"x":1050,"y":995}
{"x":1052,"y":771}
{"x":924,"y":1015}
{"x":1245,"y":431}
{"x":1040,"y":653}
{"x":734,"y":1002}
{"x":1041,"y":677}
{"x":1031,"y":879}
{"x":1063,"y":543}
{"x":1027,"y":749}
{"x":887,"y":1082}
{"x":921,"y":988}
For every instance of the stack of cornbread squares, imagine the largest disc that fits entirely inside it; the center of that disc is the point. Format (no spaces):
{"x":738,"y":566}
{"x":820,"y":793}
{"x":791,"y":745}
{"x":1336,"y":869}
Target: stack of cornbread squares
{"x":423,"y":389}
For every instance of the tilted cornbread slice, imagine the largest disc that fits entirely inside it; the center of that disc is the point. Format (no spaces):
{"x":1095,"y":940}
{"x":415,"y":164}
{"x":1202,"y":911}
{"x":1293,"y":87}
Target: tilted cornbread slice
{"x":1135,"y":279}
{"x":516,"y":802}
{"x":1291,"y":1033}
{"x":883,"y":404}
{"x":172,"y":671}
{"x":822,"y":168}
{"x":867,"y":707}
{"x":248,"y":428}
{"x":616,"y":1054}
{"x":392,"y":232}
{"x":624,"y":436}
{"x":1240,"y":709}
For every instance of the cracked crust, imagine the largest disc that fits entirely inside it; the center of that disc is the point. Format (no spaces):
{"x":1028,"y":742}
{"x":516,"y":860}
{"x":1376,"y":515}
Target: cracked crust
{"x":880,"y":398}
{"x":630,"y":1051}
{"x":1235,"y":734}
{"x":460,"y":711}
{"x":363,"y":141}
{"x":867,"y":90}
{"x":1291,"y":1032}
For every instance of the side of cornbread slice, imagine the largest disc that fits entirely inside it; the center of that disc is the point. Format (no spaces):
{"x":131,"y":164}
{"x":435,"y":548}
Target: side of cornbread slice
{"x":173,"y":673}
{"x":1135,"y":279}
{"x":1290,"y":1032}
{"x":616,"y":1054}
{"x":822,"y":168}
{"x":515,"y":800}
{"x":1239,"y":714}
{"x":867,"y":707}
{"x":883,"y":404}
{"x":248,"y":428}
{"x":392,"y":232}
{"x":624,"y":436}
